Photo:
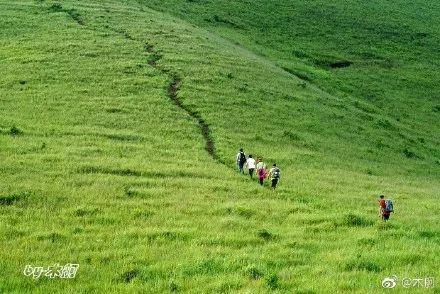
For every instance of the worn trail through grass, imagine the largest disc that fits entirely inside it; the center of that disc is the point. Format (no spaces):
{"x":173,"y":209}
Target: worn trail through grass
{"x":172,"y":93}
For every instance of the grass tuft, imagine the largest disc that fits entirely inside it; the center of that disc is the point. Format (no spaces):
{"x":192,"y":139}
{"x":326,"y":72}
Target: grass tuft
{"x":56,"y":7}
{"x":166,"y":236}
{"x":410,"y":154}
{"x":272,"y":281}
{"x":12,"y":199}
{"x":265,"y":235}
{"x":129,"y":275}
{"x":429,"y":234}
{"x":292,"y":136}
{"x":174,"y":287}
{"x":14,"y":131}
{"x":254,"y":273}
{"x":53,"y":237}
{"x":352,"y":220}
{"x":74,"y":14}
{"x":81,"y":212}
{"x":363,"y":265}
{"x":367,"y":241}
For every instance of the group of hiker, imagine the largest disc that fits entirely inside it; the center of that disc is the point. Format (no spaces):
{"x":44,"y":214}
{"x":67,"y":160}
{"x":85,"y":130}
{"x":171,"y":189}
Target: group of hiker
{"x":258,"y":167}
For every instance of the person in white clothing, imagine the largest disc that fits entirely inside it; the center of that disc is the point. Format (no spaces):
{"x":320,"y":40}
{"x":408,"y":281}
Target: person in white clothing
{"x":250,"y":163}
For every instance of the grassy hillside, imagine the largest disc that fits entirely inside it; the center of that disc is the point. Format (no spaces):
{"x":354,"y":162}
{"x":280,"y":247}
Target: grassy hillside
{"x":106,"y":110}
{"x":386,"y":67}
{"x":382,"y":53}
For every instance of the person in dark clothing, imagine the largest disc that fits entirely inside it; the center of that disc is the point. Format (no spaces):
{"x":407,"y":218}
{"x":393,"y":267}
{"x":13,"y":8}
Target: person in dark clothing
{"x":241,"y":160}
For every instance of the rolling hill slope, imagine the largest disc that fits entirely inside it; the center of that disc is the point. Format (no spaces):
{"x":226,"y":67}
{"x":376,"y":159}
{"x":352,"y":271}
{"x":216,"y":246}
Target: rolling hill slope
{"x":120,"y":122}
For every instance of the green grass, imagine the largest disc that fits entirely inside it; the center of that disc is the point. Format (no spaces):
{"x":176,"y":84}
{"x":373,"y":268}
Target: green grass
{"x":99,"y":166}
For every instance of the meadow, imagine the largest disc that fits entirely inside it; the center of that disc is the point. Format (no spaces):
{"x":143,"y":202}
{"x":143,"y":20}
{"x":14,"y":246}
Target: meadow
{"x":120,"y":121}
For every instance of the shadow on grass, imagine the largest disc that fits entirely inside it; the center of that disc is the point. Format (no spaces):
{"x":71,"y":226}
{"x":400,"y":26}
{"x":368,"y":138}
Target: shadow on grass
{"x":128,"y":172}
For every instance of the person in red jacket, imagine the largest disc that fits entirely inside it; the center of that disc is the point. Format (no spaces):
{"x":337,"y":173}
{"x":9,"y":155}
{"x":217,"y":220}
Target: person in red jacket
{"x":382,"y":208}
{"x":261,"y":170}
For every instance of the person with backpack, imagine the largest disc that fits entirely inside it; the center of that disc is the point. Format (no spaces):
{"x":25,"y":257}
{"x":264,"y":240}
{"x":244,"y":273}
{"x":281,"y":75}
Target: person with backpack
{"x":261,"y":171}
{"x":274,"y":175}
{"x":241,"y":160}
{"x":250,"y":163}
{"x":385,"y":207}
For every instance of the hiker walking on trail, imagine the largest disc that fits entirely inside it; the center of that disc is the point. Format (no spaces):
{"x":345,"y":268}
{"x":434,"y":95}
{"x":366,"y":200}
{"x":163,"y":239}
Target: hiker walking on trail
{"x":241,"y":160}
{"x":385,"y":207}
{"x":274,"y":175}
{"x":261,"y":171}
{"x":250,"y":163}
